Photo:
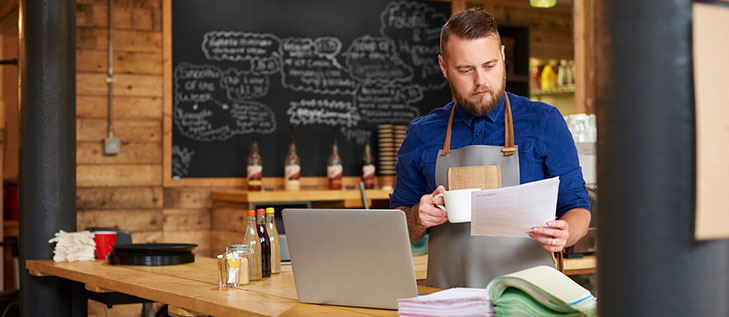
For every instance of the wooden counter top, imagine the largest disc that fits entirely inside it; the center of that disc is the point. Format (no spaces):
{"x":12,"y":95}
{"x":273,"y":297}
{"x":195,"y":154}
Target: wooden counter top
{"x":194,"y":286}
{"x":301,"y":195}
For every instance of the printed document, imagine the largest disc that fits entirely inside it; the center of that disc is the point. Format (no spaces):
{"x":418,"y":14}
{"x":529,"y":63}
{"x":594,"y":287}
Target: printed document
{"x":513,"y":211}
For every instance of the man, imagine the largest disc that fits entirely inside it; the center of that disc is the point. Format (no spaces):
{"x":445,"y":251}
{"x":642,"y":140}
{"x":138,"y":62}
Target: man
{"x":476,"y":129}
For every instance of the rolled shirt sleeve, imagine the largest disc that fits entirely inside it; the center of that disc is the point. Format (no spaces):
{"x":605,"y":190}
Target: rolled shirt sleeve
{"x":410,"y":183}
{"x":560,"y":159}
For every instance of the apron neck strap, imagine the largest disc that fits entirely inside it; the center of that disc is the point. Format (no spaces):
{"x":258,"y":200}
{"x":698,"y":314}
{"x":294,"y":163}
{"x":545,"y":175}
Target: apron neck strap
{"x":509,"y":147}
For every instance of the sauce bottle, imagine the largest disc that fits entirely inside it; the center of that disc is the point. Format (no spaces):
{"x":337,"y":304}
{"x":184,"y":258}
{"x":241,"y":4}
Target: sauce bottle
{"x":274,"y":241}
{"x":254,"y":243}
{"x":334,"y":168}
{"x":292,"y":166}
{"x":265,"y":243}
{"x":368,"y":168}
{"x":254,"y":168}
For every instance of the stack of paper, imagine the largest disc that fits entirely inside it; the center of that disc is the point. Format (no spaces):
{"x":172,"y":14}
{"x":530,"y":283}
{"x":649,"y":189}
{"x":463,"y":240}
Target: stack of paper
{"x":450,"y":302}
{"x":540,"y":291}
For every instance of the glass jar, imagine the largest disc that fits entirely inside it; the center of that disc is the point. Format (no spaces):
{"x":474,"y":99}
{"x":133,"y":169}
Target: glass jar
{"x":237,"y":257}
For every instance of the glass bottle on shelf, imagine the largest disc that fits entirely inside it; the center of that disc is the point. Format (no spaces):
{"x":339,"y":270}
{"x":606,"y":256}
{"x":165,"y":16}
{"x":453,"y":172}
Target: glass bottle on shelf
{"x":548,"y":78}
{"x":251,"y":239}
{"x":562,"y":73}
{"x":292,"y":166}
{"x":274,"y":240}
{"x":368,"y":168}
{"x":570,"y":72}
{"x":254,"y":167}
{"x":265,"y":243}
{"x":334,"y":168}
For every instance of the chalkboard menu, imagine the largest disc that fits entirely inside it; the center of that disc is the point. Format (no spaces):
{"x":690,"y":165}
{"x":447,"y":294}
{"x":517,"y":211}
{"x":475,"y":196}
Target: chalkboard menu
{"x":329,"y":69}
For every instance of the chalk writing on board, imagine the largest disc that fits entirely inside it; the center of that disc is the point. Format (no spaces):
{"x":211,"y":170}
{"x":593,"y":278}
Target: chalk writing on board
{"x":242,"y":86}
{"x":359,"y":136}
{"x":208,"y":105}
{"x":238,"y":46}
{"x":374,"y":59}
{"x":415,"y":28}
{"x":259,"y":49}
{"x":181,"y":158}
{"x":388,"y":104}
{"x":311,"y":65}
{"x":323,"y":111}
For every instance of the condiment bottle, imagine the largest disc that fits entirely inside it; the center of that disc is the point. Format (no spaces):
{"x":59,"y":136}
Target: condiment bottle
{"x":292,"y":166}
{"x":334,"y":168}
{"x":561,"y":73}
{"x":252,"y":240}
{"x":254,"y":168}
{"x":368,"y":168}
{"x":265,"y":243}
{"x":274,"y":240}
{"x":548,"y":77}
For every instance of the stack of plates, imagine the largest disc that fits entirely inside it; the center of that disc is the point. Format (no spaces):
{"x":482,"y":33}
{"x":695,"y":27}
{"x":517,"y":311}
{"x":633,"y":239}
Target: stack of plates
{"x":399,"y":132}
{"x":151,"y":254}
{"x":387,"y":149}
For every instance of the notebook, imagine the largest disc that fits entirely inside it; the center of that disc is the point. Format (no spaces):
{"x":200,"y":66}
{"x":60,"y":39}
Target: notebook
{"x":350,"y":257}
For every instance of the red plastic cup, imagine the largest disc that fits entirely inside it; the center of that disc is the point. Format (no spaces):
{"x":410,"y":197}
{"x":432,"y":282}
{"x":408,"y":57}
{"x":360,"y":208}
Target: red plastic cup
{"x":104,"y":240}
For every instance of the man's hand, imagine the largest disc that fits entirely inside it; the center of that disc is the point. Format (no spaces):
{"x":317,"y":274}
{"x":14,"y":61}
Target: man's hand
{"x":428,"y":214}
{"x":552,"y":237}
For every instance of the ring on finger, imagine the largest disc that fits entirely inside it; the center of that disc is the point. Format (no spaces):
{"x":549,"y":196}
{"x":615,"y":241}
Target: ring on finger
{"x":552,"y":242}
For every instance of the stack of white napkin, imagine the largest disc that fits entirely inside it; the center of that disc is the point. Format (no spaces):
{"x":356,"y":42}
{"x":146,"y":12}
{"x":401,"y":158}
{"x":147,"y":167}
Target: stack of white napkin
{"x":74,"y":246}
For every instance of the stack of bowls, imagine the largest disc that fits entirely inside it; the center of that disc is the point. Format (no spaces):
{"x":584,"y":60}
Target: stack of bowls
{"x":387,"y":149}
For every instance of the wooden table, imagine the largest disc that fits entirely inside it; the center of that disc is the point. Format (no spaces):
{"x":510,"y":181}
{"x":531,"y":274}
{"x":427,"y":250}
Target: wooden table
{"x":194,"y":287}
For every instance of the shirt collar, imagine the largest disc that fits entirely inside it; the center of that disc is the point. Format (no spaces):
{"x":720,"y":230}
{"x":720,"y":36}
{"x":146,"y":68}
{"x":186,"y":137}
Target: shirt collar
{"x":468,"y":117}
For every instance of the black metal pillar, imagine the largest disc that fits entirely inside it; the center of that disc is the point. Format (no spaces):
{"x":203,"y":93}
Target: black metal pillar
{"x":47,"y":60}
{"x":649,"y":263}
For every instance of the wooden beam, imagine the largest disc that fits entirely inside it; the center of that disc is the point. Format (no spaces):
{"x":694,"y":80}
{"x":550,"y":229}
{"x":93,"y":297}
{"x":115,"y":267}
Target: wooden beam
{"x":584,"y":38}
{"x":167,"y":100}
{"x":457,"y":6}
{"x":7,"y":7}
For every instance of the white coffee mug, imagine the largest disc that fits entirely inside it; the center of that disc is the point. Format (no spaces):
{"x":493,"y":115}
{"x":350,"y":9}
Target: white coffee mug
{"x":458,"y":204}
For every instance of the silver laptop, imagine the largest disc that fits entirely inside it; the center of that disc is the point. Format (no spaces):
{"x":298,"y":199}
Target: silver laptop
{"x":350,"y":257}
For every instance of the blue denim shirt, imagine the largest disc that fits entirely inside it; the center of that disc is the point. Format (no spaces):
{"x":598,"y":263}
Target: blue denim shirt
{"x":546,"y":149}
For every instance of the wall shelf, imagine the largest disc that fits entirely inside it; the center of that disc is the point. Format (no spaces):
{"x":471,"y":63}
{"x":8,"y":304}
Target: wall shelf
{"x":554,"y":91}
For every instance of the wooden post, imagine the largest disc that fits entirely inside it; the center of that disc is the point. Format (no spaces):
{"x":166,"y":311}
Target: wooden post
{"x":584,"y":39}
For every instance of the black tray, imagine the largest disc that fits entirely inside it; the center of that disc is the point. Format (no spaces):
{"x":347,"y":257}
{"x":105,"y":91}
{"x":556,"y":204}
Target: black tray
{"x":147,"y":248}
{"x":151,"y":254}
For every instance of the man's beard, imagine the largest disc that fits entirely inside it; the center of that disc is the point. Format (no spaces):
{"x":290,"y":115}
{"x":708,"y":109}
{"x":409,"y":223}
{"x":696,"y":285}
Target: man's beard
{"x":485,"y":106}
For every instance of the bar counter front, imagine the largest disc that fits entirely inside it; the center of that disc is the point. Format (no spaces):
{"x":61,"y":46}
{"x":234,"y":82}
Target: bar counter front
{"x":194,"y":287}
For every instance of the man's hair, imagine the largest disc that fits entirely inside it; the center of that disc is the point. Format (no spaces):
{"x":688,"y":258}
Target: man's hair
{"x":471,"y":24}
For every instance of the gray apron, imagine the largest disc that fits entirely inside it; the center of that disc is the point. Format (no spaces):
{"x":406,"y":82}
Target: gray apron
{"x":457,"y":259}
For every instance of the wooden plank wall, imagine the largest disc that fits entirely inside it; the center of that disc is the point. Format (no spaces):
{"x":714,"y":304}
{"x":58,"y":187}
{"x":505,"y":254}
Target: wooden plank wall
{"x":125,"y":190}
{"x":550,"y":30}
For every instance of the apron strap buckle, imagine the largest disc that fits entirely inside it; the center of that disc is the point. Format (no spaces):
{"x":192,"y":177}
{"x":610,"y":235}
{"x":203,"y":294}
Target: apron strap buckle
{"x":508,"y":151}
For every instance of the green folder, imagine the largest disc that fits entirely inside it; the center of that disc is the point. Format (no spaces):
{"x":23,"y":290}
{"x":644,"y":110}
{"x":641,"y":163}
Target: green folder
{"x":540,"y":291}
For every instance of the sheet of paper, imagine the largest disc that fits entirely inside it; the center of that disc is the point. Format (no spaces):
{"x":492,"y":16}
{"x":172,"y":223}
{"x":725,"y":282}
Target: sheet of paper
{"x":513,"y":211}
{"x":711,"y":74}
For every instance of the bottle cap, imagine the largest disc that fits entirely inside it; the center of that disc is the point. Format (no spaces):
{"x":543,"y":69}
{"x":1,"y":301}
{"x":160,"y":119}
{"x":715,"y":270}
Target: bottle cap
{"x":251,"y":212}
{"x":260,"y":211}
{"x":269,"y":210}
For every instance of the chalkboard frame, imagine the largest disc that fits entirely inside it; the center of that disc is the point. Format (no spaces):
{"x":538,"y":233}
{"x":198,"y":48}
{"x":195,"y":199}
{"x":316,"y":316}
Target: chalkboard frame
{"x":168,"y":179}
